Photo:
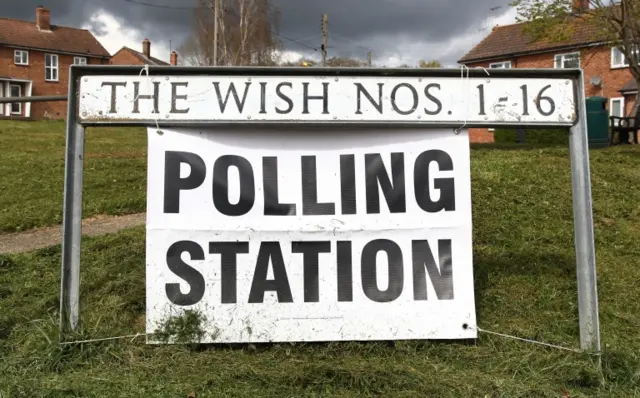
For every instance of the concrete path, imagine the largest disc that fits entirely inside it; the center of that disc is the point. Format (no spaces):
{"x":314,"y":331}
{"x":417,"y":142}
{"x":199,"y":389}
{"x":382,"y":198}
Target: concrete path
{"x":50,"y":236}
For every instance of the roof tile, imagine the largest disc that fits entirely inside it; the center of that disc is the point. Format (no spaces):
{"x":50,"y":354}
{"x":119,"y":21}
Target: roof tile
{"x":510,"y":40}
{"x":630,"y":86}
{"x":65,"y":39}
{"x":143,"y":58}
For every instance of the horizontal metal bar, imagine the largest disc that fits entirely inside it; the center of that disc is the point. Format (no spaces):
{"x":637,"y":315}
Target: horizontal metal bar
{"x":124,"y":70}
{"x":331,"y":124}
{"x":36,"y":98}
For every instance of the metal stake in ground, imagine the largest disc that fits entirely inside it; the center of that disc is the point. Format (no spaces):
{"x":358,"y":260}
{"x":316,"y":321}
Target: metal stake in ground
{"x":583,"y":228}
{"x":72,"y":216}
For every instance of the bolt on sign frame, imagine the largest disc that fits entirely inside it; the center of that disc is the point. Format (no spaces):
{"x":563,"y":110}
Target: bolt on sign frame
{"x":85,"y":108}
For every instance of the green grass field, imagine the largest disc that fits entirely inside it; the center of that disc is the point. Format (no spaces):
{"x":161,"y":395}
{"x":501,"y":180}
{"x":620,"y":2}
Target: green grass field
{"x":524,"y":279}
{"x":32,"y":170}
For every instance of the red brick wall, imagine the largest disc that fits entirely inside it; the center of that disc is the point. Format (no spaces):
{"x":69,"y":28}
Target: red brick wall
{"x":124,"y":57}
{"x":35,"y":72}
{"x":594,"y":61}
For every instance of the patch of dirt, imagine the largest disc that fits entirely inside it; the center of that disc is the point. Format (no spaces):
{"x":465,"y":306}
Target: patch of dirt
{"x":51,"y":236}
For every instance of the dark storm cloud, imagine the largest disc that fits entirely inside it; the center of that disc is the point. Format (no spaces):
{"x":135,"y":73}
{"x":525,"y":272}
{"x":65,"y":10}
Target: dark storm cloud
{"x":354,"y":25}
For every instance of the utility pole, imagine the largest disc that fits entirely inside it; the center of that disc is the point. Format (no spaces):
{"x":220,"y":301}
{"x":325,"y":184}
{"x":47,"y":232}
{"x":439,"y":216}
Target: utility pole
{"x":369,"y":58}
{"x":325,"y":31}
{"x":216,"y":7}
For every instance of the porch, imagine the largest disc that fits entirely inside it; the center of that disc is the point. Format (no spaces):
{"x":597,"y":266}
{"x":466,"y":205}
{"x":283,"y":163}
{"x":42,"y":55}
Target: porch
{"x":10,"y":87}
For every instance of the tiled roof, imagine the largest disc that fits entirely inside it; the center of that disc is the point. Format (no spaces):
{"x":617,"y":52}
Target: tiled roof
{"x":26,"y":34}
{"x":630,"y":86}
{"x":143,"y":58}
{"x":512,"y":40}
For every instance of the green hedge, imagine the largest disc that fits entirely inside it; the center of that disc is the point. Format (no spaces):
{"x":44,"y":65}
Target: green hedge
{"x":533,"y":136}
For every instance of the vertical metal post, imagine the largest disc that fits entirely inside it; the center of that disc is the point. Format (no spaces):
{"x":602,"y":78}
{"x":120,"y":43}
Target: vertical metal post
{"x":72,"y":216}
{"x":216,"y":9}
{"x":583,"y":228}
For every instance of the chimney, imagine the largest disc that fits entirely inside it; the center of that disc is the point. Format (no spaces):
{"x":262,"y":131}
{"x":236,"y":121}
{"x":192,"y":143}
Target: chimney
{"x":146,"y":48}
{"x":174,"y":58}
{"x":579,"y":6}
{"x":43,"y":19}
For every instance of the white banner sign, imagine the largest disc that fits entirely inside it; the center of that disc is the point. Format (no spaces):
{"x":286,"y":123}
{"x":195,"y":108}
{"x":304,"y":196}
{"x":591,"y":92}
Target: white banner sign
{"x":282,"y":235}
{"x":345,"y":99}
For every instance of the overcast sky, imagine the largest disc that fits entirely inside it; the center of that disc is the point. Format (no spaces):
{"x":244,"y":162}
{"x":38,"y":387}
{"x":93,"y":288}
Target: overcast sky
{"x":396,"y":31}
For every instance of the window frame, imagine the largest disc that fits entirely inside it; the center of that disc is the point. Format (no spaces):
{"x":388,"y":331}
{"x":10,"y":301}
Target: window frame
{"x":76,"y":59}
{"x":562,"y":58}
{"x":22,"y":53}
{"x":51,"y":67}
{"x":504,"y":63}
{"x":625,"y":61}
{"x":622,"y":106}
{"x":19,"y":104}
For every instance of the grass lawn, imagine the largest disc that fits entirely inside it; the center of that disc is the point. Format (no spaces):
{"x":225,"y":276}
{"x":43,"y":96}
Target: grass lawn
{"x":524,"y":279}
{"x":32,"y":170}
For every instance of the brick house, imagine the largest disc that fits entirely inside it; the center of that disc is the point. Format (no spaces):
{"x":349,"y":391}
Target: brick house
{"x":128,"y":56}
{"x":35,"y":59}
{"x":606,"y":72}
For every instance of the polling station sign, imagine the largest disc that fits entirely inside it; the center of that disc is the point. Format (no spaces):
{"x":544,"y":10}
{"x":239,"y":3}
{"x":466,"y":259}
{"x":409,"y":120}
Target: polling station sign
{"x":298,"y":234}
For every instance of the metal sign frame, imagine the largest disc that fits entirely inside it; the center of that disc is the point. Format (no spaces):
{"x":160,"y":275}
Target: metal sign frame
{"x":578,"y":145}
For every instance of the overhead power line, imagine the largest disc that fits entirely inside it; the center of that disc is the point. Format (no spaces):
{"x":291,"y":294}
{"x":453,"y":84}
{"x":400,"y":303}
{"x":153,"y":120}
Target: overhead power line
{"x":142,"y":3}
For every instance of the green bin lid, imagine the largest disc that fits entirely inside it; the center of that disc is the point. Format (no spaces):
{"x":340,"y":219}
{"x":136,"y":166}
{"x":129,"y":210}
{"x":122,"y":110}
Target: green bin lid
{"x":597,"y":98}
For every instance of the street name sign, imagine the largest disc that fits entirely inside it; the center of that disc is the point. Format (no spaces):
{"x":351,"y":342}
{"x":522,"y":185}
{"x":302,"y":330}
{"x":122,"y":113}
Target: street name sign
{"x":344,"y":99}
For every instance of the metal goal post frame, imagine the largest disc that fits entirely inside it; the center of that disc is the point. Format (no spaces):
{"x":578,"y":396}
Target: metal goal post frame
{"x":578,"y":145}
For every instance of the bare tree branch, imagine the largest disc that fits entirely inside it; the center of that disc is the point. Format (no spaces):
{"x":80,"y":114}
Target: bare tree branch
{"x":247,"y":31}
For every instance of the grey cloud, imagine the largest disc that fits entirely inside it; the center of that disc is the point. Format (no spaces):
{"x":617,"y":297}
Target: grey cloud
{"x":355,"y":26}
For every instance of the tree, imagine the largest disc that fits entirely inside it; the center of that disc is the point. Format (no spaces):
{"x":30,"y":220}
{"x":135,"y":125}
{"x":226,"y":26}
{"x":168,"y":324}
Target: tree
{"x":345,"y":62}
{"x":307,"y":62}
{"x":615,"y":22}
{"x":247,"y":32}
{"x":430,"y":64}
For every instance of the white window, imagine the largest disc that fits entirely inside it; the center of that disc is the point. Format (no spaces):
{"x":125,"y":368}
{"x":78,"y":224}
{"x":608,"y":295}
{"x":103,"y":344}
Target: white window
{"x":16,"y":91}
{"x":21,"y":57}
{"x":2,"y":106}
{"x":616,"y":108}
{"x":570,"y":60}
{"x":502,"y":65}
{"x":51,"y":67}
{"x":618,"y":60}
{"x":79,"y":61}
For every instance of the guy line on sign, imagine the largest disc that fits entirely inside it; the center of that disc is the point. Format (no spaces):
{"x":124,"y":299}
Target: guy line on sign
{"x":558,"y":347}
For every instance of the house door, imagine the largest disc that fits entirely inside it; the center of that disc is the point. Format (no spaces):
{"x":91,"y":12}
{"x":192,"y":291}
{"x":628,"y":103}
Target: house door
{"x":16,"y":91}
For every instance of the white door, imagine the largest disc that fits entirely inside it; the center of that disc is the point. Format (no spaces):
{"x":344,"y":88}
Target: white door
{"x":16,"y":91}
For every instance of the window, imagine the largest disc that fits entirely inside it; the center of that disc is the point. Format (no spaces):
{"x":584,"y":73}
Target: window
{"x":51,"y":67}
{"x":571,"y":60}
{"x":616,"y":108}
{"x":79,"y":61}
{"x":21,"y":57}
{"x":2,"y":106}
{"x":506,"y":64}
{"x":618,"y":59}
{"x":16,"y":91}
